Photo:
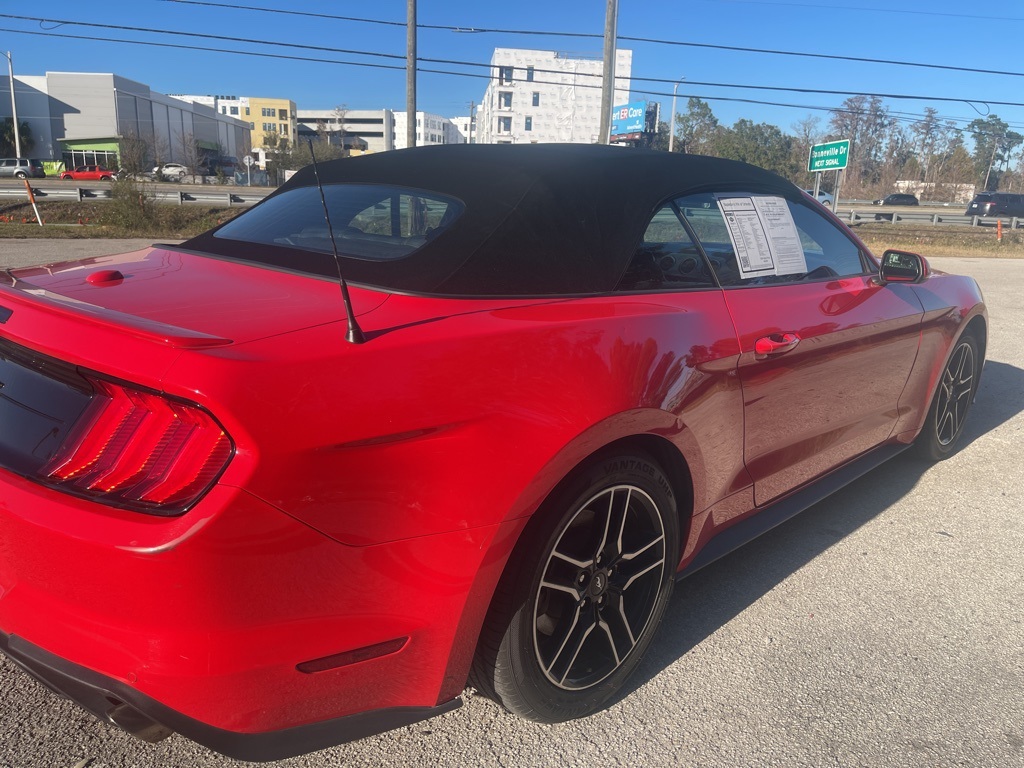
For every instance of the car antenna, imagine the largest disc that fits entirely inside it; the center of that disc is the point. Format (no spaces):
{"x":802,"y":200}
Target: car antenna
{"x":354,"y":335}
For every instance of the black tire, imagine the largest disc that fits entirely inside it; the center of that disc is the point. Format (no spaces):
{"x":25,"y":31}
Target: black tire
{"x":953,"y":397}
{"x":20,"y":175}
{"x":578,"y":604}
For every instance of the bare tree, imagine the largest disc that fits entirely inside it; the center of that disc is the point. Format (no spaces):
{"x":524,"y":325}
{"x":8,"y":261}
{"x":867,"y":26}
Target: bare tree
{"x":339,"y":114}
{"x":806,"y":133}
{"x":161,"y":149}
{"x":190,"y":153}
{"x":865,"y":121}
{"x":134,"y":153}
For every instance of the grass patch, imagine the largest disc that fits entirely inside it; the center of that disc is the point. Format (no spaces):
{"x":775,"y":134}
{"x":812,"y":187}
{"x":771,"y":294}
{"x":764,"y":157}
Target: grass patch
{"x":131,"y":212}
{"x":942,"y":240}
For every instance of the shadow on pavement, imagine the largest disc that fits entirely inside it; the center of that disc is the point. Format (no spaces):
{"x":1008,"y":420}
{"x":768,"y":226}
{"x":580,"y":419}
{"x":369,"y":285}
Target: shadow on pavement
{"x":710,"y":598}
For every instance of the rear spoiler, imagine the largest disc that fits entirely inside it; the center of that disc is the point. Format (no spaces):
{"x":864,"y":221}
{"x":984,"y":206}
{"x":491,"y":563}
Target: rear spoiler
{"x":18,"y":294}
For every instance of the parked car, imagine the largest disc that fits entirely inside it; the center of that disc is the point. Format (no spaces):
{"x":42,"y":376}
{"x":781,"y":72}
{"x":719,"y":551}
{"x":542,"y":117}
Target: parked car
{"x":823,"y":197}
{"x":226,"y":165}
{"x":173,"y":171}
{"x":22,"y":168}
{"x":898,"y":199}
{"x":89,"y":173}
{"x":272,"y":515}
{"x":996,"y":204}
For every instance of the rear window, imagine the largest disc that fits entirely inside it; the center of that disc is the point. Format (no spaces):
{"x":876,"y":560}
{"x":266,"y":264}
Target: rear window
{"x":372,"y":222}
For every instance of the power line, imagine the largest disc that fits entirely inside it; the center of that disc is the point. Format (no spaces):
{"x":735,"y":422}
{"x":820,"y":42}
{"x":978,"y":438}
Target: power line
{"x":590,"y":35}
{"x":125,"y":28}
{"x":455,"y":62}
{"x":987,"y":18}
{"x":910,"y":118}
{"x":362,"y":20}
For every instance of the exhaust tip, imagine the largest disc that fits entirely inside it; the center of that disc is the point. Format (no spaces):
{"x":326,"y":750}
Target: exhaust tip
{"x":137,"y":724}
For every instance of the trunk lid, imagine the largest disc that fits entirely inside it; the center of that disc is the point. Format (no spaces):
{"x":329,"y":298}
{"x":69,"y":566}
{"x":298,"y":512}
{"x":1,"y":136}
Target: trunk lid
{"x":183,"y":300}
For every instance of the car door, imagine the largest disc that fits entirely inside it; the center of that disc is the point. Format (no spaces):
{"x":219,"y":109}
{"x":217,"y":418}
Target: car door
{"x":825,"y":351}
{"x":691,"y":353}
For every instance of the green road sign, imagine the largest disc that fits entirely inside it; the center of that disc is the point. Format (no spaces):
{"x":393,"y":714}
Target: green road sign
{"x":832,"y":156}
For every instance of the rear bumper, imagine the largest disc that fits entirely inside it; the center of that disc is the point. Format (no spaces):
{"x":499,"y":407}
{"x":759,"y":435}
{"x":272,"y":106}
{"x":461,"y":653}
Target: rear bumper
{"x":115,"y":702}
{"x":214,"y":624}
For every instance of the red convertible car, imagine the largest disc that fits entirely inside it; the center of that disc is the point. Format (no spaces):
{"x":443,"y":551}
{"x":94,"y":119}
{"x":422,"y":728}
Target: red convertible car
{"x":89,"y":173}
{"x":448,"y":413}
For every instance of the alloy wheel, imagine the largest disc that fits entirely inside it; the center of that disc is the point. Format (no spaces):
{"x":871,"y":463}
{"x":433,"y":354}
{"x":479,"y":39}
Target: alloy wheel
{"x":599,"y":588}
{"x":955,"y":394}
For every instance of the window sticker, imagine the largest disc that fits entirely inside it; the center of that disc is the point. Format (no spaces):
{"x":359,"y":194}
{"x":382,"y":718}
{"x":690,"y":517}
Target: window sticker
{"x":763,"y":235}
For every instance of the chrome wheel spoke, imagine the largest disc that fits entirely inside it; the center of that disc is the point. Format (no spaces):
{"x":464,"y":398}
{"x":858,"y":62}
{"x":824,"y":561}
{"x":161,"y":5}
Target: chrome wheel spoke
{"x":654,"y":568}
{"x":617,"y":627}
{"x":640,"y":562}
{"x":567,"y":588}
{"x":563,"y":662}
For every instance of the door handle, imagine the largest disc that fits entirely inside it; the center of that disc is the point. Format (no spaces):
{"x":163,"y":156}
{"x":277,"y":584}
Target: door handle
{"x":775,"y":344}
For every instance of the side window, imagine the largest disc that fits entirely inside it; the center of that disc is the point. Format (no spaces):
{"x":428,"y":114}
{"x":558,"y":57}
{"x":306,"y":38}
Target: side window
{"x":369,"y":221}
{"x":826,"y":251}
{"x":667,"y":259}
{"x":404,"y":216}
{"x":826,"y":248}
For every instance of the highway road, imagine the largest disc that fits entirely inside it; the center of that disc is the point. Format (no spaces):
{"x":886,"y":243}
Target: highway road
{"x":883,"y":627}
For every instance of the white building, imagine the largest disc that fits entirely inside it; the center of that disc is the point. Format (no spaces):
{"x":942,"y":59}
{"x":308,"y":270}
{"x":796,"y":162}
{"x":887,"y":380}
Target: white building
{"x":381,"y":129}
{"x":547,"y":96}
{"x":466,"y":126}
{"x":374,"y":126}
{"x":430,"y":129}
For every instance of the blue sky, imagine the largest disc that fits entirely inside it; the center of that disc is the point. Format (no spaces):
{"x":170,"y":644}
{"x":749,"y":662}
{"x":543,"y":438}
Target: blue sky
{"x":946,"y":32}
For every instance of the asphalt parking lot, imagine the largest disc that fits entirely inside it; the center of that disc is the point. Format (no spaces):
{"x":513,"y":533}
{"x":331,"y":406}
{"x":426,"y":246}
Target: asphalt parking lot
{"x":882,"y":627}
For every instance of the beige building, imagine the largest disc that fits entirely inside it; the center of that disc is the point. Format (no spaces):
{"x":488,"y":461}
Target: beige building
{"x":272,"y":117}
{"x":266,"y":117}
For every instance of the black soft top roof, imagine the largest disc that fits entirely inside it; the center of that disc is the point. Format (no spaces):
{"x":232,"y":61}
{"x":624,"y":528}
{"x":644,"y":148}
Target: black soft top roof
{"x":539,"y":219}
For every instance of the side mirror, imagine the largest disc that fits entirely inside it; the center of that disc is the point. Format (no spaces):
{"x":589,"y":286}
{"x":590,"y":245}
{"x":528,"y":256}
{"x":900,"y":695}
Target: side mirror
{"x":902,"y":267}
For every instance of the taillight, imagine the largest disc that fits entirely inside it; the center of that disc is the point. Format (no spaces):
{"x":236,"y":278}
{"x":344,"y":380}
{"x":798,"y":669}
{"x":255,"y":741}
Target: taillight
{"x":141,"y":450}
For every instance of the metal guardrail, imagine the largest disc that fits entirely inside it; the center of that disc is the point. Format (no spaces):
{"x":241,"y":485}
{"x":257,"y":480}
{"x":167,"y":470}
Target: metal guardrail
{"x":226,"y":197}
{"x":233,"y":197}
{"x":911,"y":216}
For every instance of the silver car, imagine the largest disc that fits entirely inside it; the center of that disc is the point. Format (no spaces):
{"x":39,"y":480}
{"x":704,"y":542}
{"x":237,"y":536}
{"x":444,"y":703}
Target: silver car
{"x":823,"y":197}
{"x":21,"y":168}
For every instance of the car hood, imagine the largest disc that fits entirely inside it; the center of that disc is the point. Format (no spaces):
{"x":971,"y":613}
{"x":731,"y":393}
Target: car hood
{"x":188,"y":299}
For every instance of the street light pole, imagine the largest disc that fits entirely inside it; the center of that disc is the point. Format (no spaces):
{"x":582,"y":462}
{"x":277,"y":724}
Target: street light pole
{"x":14,"y":106}
{"x":672,"y":122}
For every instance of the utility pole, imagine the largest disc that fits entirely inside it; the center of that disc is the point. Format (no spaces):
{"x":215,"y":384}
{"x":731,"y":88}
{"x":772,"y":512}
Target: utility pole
{"x":472,"y":117}
{"x":14,"y":106}
{"x":995,"y":146}
{"x":410,"y":74}
{"x":672,"y":120}
{"x":611,"y":17}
